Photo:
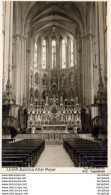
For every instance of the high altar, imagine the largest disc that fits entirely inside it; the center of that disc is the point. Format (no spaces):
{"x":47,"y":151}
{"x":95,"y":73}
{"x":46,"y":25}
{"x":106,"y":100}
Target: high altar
{"x":55,"y":115}
{"x":54,"y":112}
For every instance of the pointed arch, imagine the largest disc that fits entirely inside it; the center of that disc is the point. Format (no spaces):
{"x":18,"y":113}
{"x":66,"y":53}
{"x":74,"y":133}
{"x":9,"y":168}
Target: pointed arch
{"x":45,"y":80}
{"x":70,"y":78}
{"x":37,"y":95}
{"x":37,"y":78}
{"x":71,"y":93}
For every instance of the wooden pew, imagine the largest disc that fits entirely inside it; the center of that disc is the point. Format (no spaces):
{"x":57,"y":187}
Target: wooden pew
{"x":86,"y":153}
{"x":5,"y":141}
{"x":22,"y":153}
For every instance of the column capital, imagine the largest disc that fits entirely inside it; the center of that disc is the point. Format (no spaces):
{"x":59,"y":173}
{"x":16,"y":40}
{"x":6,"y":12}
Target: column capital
{"x":17,"y":35}
{"x":25,"y":37}
{"x":28,"y":51}
{"x":20,"y":36}
{"x":86,"y":36}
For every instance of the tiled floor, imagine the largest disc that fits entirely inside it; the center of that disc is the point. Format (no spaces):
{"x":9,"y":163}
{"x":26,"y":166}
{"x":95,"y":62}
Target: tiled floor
{"x":54,"y":156}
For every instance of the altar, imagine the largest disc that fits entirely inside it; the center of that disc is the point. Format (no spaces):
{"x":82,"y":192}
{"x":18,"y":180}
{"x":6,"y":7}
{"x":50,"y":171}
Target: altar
{"x":55,"y":115}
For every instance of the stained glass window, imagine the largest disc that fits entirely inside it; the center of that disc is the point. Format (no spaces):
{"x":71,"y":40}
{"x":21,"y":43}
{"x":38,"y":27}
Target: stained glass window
{"x":44,"y":54}
{"x":63,"y":54}
{"x":72,"y":54}
{"x":53,"y":54}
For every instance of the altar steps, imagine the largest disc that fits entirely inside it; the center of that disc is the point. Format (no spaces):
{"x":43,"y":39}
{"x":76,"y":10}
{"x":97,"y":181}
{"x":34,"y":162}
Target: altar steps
{"x":54,"y":142}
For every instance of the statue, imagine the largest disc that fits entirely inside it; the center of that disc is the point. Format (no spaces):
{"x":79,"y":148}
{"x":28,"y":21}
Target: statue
{"x":61,"y":99}
{"x":31,"y":99}
{"x":54,"y":99}
{"x":76,"y":99}
{"x":51,"y":101}
{"x":46,"y":98}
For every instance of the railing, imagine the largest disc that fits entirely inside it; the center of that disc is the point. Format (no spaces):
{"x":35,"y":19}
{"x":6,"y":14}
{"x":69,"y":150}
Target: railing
{"x":54,"y":136}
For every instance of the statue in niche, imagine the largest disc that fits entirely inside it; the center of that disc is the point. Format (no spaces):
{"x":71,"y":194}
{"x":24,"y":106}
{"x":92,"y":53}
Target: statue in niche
{"x":31,"y":99}
{"x":72,"y":100}
{"x":42,"y":102}
{"x":31,"y":95}
{"x":54,"y":99}
{"x":57,"y":101}
{"x":54,"y":90}
{"x":54,"y":110}
{"x":46,"y":98}
{"x":76,"y":99}
{"x":51,"y":101}
{"x":54,"y":121}
{"x":61,"y":99}
{"x":66,"y":101}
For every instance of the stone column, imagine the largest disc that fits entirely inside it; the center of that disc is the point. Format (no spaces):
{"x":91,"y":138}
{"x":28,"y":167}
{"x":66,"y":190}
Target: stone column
{"x":87,"y":54}
{"x":10,"y":41}
{"x":25,"y":68}
{"x":50,"y":53}
{"x":22,"y":70}
{"x":80,"y":74}
{"x":105,"y":42}
{"x":91,"y":86}
{"x":6,"y":56}
{"x":88,"y":69}
{"x":84,"y":71}
{"x":18,"y":54}
{"x":40,"y":65}
{"x":57,"y":54}
{"x":3,"y":41}
{"x":67,"y":53}
{"x":28,"y":80}
{"x":101,"y":38}
{"x":95,"y":50}
{"x":18,"y":68}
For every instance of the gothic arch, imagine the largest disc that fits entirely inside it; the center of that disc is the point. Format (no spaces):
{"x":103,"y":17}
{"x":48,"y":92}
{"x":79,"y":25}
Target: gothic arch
{"x":37,"y":94}
{"x":71,"y":93}
{"x":70,"y":78}
{"x":45,"y":80}
{"x":44,"y":95}
{"x":37,"y":78}
{"x":63,"y":79}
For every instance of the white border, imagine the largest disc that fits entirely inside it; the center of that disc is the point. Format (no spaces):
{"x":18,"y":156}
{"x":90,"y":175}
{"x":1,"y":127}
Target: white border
{"x":65,"y":169}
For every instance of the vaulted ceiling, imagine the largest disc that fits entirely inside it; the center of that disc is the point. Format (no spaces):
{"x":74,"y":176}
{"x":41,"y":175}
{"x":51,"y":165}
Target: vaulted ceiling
{"x":54,"y":18}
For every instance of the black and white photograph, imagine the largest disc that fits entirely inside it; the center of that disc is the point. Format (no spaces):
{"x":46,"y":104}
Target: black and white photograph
{"x":54,"y":84}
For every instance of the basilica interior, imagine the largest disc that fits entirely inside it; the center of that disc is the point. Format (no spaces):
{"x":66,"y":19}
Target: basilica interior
{"x":54,"y":84}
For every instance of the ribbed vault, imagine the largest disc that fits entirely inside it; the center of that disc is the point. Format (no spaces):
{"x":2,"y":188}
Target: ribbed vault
{"x":43,"y":15}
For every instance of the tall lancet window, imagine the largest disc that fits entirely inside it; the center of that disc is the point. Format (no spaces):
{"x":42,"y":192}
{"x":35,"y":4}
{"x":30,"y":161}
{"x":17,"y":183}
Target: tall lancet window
{"x":35,"y":55}
{"x":63,"y":54}
{"x":44,"y":54}
{"x":72,"y":53}
{"x":53,"y":54}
